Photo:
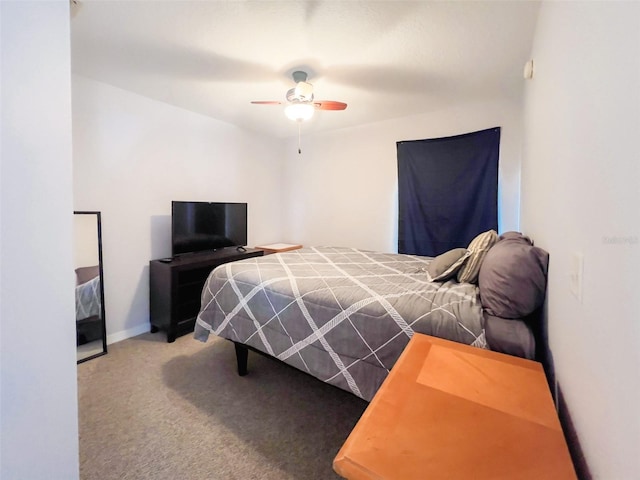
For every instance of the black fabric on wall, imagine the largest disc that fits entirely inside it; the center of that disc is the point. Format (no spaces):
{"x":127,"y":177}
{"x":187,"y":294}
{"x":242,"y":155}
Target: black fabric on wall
{"x":447,"y":191}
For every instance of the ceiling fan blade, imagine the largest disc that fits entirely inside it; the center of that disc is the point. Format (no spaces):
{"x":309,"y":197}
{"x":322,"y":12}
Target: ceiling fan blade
{"x":329,"y":105}
{"x":266,"y":102}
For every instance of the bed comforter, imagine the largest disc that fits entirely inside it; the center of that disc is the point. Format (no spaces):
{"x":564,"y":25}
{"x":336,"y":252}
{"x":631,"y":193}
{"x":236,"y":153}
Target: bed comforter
{"x":343,"y":315}
{"x":88,"y":299}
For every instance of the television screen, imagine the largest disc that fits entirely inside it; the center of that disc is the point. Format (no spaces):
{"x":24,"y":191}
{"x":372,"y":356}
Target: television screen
{"x":200,"y":226}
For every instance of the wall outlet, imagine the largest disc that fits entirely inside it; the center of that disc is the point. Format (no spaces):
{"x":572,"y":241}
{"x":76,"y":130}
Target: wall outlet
{"x":575,"y":275}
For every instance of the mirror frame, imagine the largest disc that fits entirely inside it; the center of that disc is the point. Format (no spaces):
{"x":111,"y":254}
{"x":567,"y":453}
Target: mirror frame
{"x":101,"y":274}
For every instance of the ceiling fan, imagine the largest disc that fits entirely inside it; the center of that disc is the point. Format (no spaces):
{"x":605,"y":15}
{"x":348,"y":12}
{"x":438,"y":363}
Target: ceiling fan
{"x":300,"y":100}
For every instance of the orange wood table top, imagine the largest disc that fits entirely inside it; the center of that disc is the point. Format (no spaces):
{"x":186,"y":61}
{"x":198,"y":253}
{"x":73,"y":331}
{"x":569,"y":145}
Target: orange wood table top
{"x":278,"y":247}
{"x":448,"y":410}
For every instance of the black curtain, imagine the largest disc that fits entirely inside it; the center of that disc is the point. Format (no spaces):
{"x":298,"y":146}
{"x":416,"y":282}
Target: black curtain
{"x":447,"y":191}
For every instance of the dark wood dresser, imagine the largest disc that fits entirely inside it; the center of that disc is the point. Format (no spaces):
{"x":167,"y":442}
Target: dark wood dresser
{"x":175,"y":286}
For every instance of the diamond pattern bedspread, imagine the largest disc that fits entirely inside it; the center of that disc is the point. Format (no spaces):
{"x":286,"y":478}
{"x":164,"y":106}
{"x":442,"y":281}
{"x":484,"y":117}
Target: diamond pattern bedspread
{"x":88,"y":299}
{"x":343,"y":315}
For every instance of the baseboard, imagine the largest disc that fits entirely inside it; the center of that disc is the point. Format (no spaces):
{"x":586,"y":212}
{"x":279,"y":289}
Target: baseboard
{"x":571,"y":436}
{"x":124,"y":334}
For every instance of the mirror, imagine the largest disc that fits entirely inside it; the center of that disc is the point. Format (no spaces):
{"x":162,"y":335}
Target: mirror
{"x":91,"y":335}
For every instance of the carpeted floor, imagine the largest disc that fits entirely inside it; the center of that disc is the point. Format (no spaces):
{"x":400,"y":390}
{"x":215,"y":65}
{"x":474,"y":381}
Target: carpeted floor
{"x":156,"y":410}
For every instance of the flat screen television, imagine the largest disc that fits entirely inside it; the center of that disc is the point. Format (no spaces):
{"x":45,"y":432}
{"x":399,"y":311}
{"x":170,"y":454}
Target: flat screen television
{"x":207,"y":226}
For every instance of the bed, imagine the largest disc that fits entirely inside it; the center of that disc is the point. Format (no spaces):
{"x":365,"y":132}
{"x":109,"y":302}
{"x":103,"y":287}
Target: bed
{"x":88,"y":305}
{"x":344,"y":315}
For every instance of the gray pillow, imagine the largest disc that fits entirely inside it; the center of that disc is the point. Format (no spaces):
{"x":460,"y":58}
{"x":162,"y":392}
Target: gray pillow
{"x":513,"y":277}
{"x":478,"y":247}
{"x":446,"y":265}
{"x":84,"y":274}
{"x":511,"y":336}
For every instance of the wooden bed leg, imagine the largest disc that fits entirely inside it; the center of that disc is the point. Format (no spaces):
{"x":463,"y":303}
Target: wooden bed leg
{"x":242,"y":353}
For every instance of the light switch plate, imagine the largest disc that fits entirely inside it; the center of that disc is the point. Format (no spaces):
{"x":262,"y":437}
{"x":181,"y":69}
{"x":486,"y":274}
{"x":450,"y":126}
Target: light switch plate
{"x":575,"y":275}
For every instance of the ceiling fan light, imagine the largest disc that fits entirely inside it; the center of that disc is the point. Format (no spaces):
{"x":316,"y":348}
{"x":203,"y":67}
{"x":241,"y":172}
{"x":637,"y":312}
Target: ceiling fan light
{"x":299,"y":112}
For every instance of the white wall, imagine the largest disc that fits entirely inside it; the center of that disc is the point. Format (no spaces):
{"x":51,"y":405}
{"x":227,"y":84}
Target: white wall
{"x":38,"y":413}
{"x":580,"y":194}
{"x":132,"y":156}
{"x":342,"y":189}
{"x":85,"y":240}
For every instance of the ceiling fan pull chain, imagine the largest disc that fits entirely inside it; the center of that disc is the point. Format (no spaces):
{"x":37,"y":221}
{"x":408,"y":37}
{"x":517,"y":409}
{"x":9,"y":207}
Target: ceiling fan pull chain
{"x":299,"y":127}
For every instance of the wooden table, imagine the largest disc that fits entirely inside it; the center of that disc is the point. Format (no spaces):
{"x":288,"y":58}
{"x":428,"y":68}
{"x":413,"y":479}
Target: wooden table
{"x":451,"y":411}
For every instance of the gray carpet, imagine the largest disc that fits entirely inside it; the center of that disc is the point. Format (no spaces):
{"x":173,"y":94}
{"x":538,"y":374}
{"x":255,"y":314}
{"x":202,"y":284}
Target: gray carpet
{"x":156,"y":410}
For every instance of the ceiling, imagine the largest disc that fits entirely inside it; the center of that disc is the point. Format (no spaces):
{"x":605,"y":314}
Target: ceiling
{"x":385,"y":59}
